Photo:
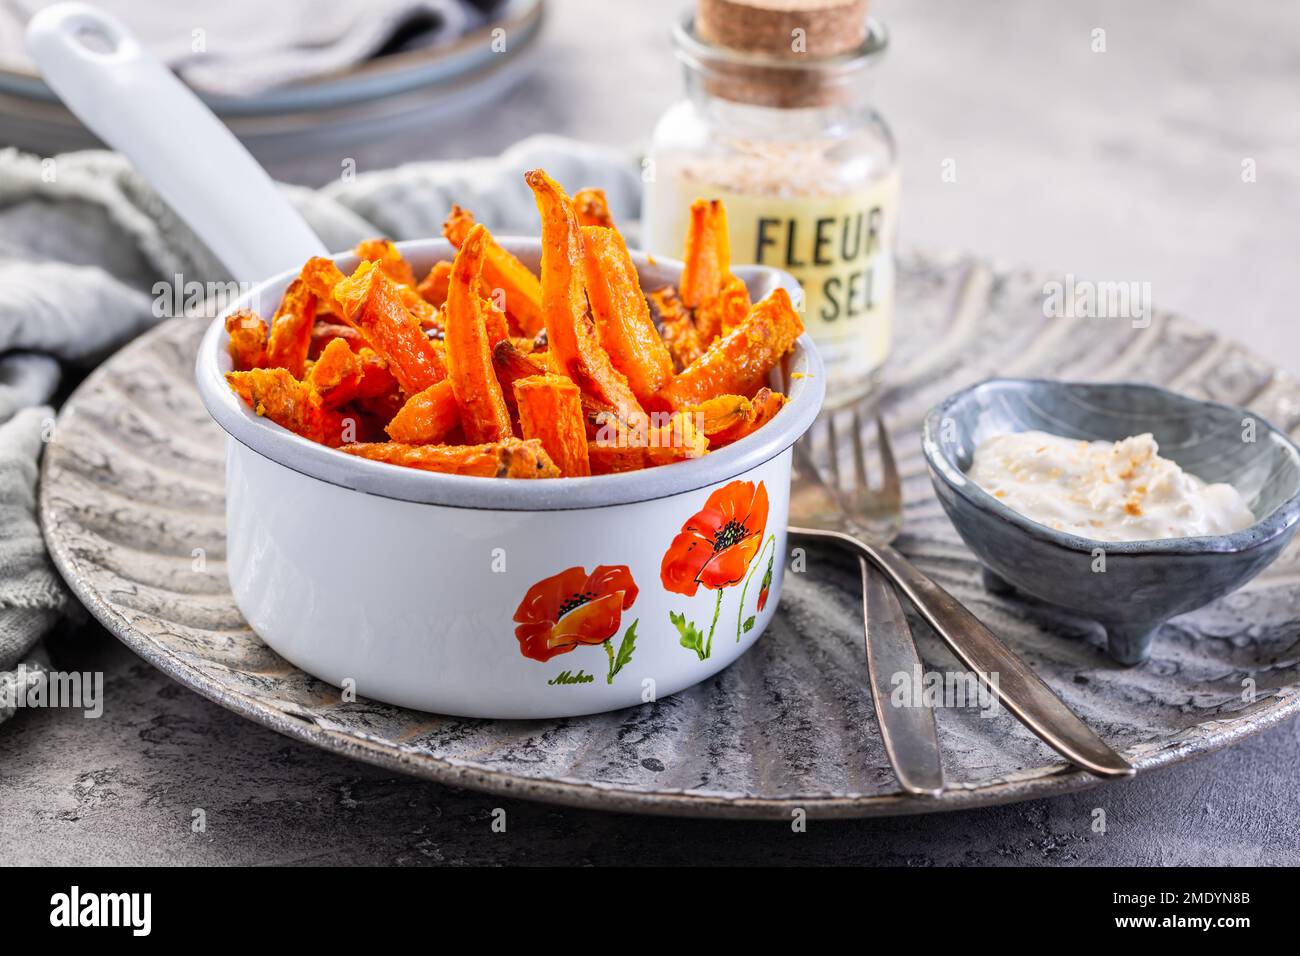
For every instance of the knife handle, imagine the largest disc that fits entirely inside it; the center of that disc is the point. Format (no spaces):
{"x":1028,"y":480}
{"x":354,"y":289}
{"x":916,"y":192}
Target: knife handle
{"x":911,"y":740}
{"x":1015,"y":685}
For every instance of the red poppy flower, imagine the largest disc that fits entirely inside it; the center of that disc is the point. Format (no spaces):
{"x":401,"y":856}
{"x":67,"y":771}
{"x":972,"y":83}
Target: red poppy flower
{"x":571,"y":608}
{"x":715,"y":546}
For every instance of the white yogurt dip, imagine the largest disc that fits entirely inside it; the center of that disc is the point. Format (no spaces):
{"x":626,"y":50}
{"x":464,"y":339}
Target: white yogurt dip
{"x":1110,"y":491}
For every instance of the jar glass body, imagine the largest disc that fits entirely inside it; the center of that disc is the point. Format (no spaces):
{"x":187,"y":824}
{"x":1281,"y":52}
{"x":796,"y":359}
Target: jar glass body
{"x":811,"y":189}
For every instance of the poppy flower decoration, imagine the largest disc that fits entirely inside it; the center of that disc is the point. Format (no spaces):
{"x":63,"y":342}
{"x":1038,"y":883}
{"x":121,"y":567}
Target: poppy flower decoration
{"x":573,"y":608}
{"x":714,"y":548}
{"x":717,"y":543}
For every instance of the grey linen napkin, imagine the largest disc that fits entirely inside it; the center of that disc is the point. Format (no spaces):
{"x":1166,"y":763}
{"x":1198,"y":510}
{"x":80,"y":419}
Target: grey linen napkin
{"x":83,"y":242}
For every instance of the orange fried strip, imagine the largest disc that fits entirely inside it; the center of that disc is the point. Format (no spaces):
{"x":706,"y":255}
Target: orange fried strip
{"x":277,"y":395}
{"x":509,"y":458}
{"x":501,"y":270}
{"x":707,"y":257}
{"x":494,"y":320}
{"x":247,"y":340}
{"x":424,"y":313}
{"x":321,"y":276}
{"x":571,"y":336}
{"x":290,"y":338}
{"x":646,"y":443}
{"x":676,"y":326}
{"x":434,"y":286}
{"x":511,"y":365}
{"x":369,"y":301}
{"x":383,"y":252}
{"x":336,"y":375}
{"x":550,"y":410}
{"x":376,"y":380}
{"x":426,"y":418}
{"x":379,"y":392}
{"x":737,"y":363}
{"x":483,"y":412}
{"x":764,"y":408}
{"x":720,"y":413}
{"x":592,"y":208}
{"x":722,"y":313}
{"x":676,"y":440}
{"x":614,"y":459}
{"x":622,"y":315}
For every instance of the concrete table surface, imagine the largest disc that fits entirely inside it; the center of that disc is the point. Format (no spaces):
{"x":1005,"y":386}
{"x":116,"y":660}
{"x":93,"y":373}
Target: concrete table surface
{"x":1122,"y":165}
{"x":124,"y":788}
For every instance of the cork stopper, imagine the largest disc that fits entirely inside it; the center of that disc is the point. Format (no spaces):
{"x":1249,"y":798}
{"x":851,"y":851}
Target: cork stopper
{"x":784,"y":28}
{"x":775,"y":52}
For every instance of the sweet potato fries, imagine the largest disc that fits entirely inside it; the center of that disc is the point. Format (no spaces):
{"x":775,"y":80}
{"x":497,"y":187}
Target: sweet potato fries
{"x":484,"y":368}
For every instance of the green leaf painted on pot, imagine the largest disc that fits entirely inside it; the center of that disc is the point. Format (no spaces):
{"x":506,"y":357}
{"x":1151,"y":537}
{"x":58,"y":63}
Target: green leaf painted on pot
{"x":691,"y":637}
{"x":749,"y":623}
{"x":625,"y":649}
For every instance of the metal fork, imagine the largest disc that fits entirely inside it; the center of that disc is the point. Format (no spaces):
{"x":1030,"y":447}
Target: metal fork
{"x":909,"y":735}
{"x":868,"y":526}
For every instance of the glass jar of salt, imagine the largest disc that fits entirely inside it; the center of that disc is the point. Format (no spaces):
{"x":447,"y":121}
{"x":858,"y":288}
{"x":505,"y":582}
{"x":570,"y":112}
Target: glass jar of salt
{"x":776,"y":124}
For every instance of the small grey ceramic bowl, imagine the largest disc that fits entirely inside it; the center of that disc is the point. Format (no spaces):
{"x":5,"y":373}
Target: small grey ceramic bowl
{"x":1145,"y":583}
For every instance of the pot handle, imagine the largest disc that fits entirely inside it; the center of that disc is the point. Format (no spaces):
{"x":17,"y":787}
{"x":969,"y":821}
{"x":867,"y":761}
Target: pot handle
{"x":140,"y":108}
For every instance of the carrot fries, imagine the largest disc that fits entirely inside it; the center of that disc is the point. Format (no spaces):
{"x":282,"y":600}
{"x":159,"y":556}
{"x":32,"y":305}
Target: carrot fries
{"x":483,"y":411}
{"x":501,"y":270}
{"x":427,"y":417}
{"x":510,"y":458}
{"x":550,"y":410}
{"x":370,"y":302}
{"x":574,"y":344}
{"x":593,"y":208}
{"x":484,"y":368}
{"x":737,"y":363}
{"x":622,"y":314}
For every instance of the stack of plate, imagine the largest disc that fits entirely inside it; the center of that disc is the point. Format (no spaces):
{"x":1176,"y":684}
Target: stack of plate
{"x":373,"y":99}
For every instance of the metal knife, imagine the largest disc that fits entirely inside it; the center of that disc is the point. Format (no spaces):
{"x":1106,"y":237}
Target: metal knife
{"x":911,"y":741}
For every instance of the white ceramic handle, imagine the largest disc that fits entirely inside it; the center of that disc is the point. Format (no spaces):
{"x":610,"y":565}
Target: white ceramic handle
{"x":138,"y":107}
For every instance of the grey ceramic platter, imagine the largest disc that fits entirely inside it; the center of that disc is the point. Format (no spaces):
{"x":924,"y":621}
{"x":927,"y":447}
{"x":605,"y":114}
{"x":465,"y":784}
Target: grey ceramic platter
{"x":132,"y":505}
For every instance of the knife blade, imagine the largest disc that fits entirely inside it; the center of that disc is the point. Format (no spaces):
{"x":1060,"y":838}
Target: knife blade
{"x":908,"y":730}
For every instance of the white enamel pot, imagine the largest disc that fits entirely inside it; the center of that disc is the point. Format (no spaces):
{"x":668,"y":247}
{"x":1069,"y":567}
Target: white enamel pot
{"x":459,"y":595}
{"x":467,"y":596}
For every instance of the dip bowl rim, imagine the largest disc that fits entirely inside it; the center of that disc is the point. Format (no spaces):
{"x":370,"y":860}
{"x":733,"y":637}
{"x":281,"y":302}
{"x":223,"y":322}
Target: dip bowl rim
{"x":1279,"y":521}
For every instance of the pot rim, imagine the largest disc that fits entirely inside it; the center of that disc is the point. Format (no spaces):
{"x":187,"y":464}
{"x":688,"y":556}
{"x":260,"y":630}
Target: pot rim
{"x":802,"y":370}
